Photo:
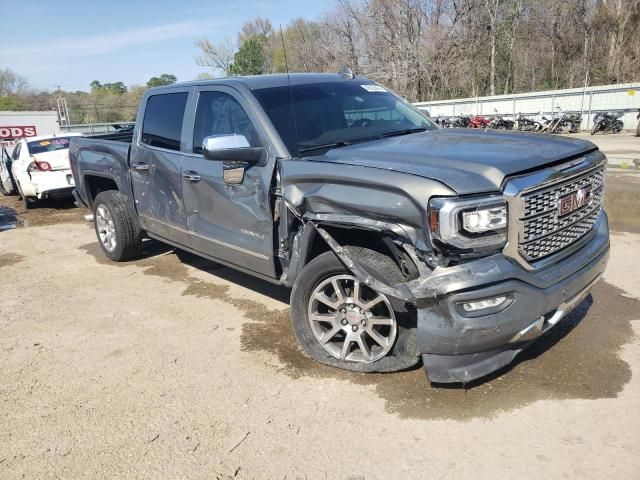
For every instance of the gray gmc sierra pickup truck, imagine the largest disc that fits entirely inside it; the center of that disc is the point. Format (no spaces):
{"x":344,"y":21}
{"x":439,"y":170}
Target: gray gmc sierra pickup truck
{"x":400,"y":240}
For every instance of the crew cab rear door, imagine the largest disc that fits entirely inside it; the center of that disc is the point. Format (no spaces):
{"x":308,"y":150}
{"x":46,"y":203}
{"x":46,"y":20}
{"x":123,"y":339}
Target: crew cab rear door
{"x":228,"y":217}
{"x":156,"y":164}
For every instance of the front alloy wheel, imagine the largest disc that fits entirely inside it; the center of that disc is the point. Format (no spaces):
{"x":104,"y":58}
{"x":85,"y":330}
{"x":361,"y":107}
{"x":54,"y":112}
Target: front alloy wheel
{"x":342,"y":322}
{"x":351,"y":321}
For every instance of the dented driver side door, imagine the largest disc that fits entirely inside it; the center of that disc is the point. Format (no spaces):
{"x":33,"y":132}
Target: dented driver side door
{"x":228,"y":207}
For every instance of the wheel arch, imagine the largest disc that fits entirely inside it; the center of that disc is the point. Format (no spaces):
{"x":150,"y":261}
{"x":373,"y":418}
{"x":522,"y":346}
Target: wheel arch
{"x":316,"y":238}
{"x":94,"y":183}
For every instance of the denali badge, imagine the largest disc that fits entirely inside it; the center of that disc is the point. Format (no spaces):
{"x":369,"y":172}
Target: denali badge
{"x":574,"y":201}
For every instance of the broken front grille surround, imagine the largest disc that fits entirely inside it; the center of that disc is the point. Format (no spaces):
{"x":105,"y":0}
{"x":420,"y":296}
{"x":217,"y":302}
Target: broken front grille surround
{"x":538,"y":232}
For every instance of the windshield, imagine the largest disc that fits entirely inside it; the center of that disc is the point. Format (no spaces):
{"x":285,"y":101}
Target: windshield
{"x":48,"y":145}
{"x":337,"y":113}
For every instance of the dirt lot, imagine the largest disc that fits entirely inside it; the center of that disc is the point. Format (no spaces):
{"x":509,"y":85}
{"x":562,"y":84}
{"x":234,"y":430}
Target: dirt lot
{"x":621,"y":148}
{"x":163,"y":368}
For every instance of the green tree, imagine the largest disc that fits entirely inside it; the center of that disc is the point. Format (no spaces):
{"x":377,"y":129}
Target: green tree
{"x":9,"y":103}
{"x":250,"y":58}
{"x":164,"y":79}
{"x":116,"y":87}
{"x":95,"y":85}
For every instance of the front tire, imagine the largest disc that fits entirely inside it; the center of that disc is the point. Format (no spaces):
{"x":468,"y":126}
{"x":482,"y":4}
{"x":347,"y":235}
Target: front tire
{"x":594,"y":129}
{"x":341,"y":322}
{"x":118,"y":235}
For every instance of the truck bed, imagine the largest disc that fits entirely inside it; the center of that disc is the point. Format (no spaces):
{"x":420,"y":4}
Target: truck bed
{"x":126,"y":137}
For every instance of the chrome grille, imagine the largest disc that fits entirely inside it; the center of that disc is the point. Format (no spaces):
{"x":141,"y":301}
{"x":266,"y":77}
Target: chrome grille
{"x":542,"y":231}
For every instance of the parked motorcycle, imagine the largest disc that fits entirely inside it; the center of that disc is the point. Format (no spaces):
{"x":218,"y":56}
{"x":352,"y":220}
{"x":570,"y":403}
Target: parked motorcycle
{"x":479,"y":121}
{"x":575,"y":120}
{"x":501,"y":123}
{"x":607,"y":122}
{"x":540,"y":122}
{"x":461,"y":121}
{"x":441,"y":121}
{"x":525,"y":124}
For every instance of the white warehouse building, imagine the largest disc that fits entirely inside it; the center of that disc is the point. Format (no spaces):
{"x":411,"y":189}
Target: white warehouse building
{"x":16,"y":125}
{"x":624,"y":97}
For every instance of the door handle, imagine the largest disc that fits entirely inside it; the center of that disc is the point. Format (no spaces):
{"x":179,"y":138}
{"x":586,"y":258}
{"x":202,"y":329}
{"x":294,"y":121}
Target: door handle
{"x":191,"y":176}
{"x":142,"y":167}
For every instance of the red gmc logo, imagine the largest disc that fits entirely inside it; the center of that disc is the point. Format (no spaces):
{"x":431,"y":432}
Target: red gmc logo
{"x":574,"y":201}
{"x":18,"y":132}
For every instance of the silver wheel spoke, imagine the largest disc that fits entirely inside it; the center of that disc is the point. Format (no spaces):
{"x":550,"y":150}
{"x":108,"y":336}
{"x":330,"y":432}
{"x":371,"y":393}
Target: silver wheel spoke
{"x":338,"y":290}
{"x":356,"y":291}
{"x":345,"y":348}
{"x":329,"y":334}
{"x":379,"y":339}
{"x":372,"y":303}
{"x":381,"y":321}
{"x":322,"y":298}
{"x":364,"y":347}
{"x":323,"y":317}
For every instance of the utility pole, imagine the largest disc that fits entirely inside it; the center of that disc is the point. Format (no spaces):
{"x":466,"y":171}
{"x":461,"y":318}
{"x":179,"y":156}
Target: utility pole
{"x":63,"y":110}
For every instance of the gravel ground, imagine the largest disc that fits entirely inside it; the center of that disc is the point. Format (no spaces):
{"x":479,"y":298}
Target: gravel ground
{"x":168,"y":367}
{"x":621,"y":149}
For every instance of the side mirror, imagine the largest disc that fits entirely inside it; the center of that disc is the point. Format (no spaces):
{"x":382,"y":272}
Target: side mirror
{"x":232,"y":147}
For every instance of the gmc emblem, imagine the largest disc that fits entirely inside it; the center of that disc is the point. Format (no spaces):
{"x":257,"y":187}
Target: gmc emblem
{"x":573,"y":201}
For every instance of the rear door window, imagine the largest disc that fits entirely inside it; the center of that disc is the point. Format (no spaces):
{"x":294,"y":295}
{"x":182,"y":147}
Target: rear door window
{"x":163,"y":116}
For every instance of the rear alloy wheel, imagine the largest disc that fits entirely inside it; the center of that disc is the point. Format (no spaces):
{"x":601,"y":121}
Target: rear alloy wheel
{"x":342,"y":322}
{"x":105,"y":229}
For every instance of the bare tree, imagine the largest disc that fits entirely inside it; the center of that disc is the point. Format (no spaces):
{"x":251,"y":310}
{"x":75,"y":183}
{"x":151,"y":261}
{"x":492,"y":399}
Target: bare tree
{"x":253,"y":28}
{"x":11,"y":83}
{"x":218,"y":56}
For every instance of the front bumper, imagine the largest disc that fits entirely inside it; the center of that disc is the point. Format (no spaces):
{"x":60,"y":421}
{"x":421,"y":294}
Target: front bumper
{"x":458,"y":347}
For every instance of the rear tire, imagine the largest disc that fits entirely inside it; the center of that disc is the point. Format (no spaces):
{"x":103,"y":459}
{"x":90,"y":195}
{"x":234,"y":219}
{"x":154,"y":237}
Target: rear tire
{"x":379,"y":337}
{"x":118,"y":234}
{"x":28,"y":202}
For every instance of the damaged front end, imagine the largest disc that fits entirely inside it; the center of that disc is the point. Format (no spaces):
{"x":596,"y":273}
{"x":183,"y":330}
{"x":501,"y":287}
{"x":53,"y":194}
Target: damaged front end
{"x":477,"y":306}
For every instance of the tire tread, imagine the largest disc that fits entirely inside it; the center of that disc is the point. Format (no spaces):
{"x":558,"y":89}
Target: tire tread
{"x":128,"y":235}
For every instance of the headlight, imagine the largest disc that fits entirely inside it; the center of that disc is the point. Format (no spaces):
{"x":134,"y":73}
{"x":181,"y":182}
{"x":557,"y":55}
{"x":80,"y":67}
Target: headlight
{"x":469,"y":223}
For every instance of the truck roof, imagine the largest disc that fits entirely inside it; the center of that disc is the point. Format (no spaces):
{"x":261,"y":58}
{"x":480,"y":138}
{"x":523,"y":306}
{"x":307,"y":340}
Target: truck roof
{"x":255,"y":82}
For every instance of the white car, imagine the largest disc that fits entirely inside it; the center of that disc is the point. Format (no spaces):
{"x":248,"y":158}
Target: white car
{"x":41,"y":169}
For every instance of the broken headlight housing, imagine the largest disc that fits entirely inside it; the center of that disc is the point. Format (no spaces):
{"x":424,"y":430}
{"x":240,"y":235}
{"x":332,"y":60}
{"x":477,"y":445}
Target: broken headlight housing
{"x":478,"y":223}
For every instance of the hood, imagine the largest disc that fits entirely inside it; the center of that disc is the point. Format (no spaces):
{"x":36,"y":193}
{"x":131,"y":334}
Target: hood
{"x":468,"y":161}
{"x":58,"y":159}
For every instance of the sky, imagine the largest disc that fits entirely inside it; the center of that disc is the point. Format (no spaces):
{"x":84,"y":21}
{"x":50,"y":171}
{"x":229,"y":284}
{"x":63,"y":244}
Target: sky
{"x":71,"y":43}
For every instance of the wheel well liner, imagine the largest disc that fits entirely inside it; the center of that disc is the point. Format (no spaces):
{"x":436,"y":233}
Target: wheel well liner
{"x":348,"y":235}
{"x":95,"y":184}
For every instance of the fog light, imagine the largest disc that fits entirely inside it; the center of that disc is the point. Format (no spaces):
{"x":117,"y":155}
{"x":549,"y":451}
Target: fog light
{"x":483,"y":304}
